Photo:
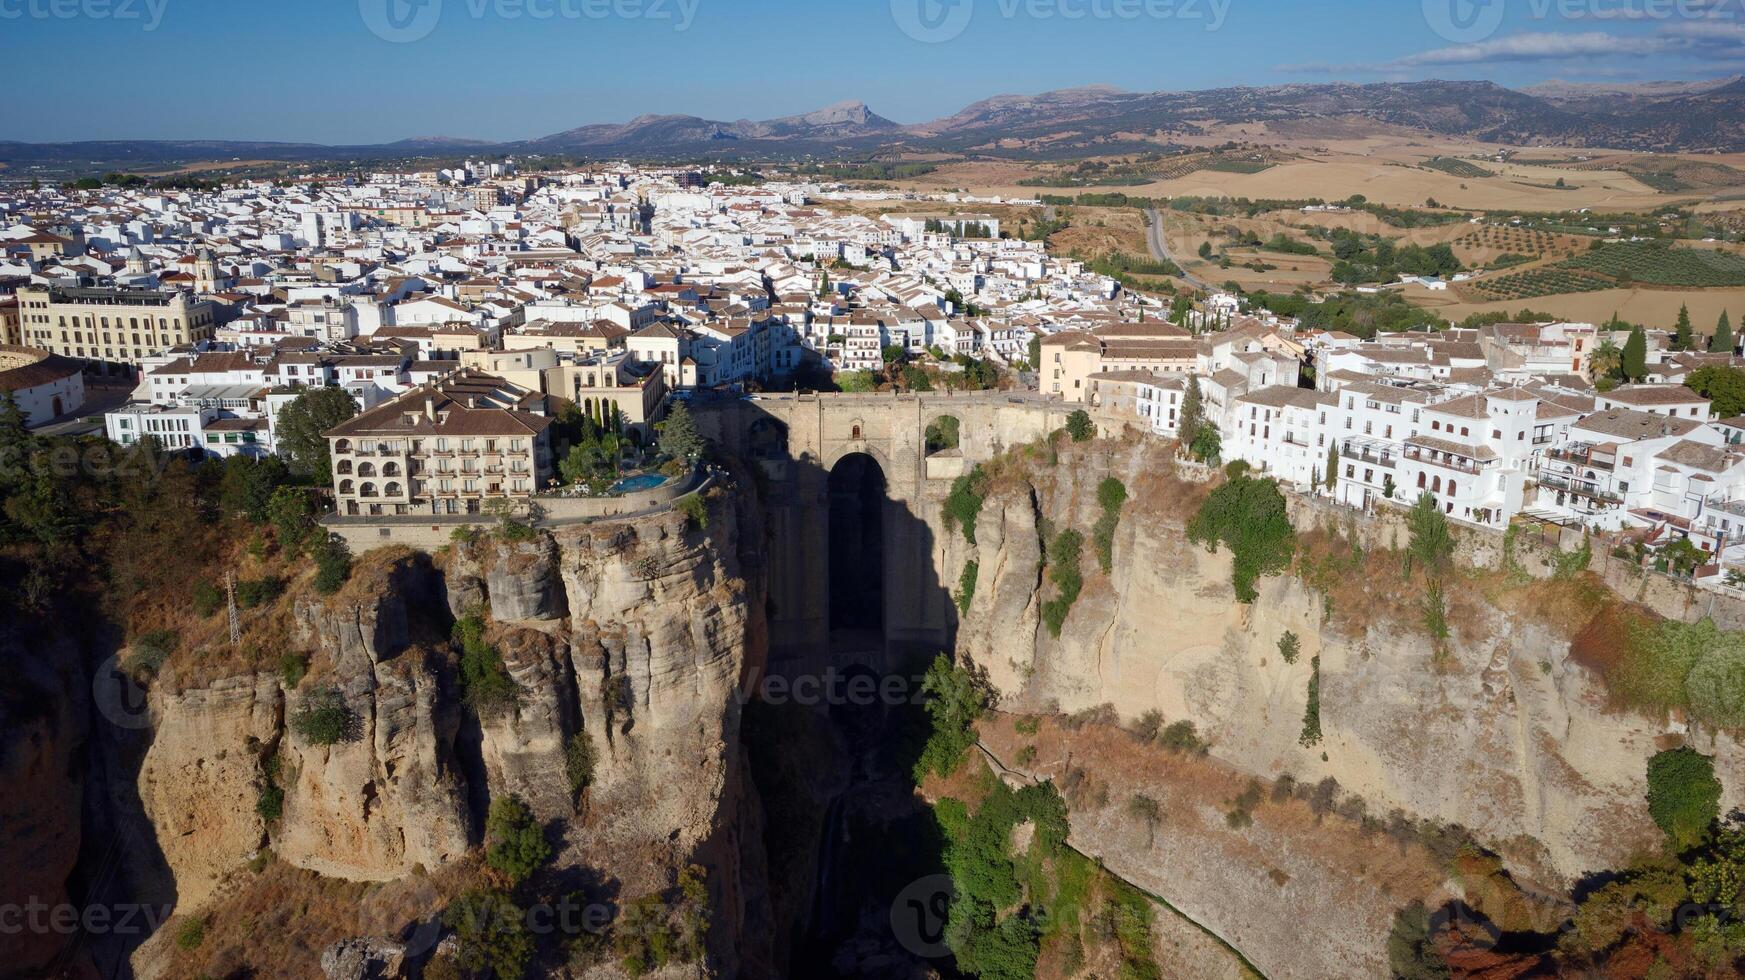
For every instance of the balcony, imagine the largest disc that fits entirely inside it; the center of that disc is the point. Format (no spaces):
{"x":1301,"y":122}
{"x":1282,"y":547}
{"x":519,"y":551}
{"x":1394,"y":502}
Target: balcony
{"x":1368,"y":454}
{"x":1582,"y":488}
{"x":1585,"y":457}
{"x":1445,"y":461}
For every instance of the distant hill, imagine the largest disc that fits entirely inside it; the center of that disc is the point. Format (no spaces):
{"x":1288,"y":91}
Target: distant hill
{"x":1659,"y":116}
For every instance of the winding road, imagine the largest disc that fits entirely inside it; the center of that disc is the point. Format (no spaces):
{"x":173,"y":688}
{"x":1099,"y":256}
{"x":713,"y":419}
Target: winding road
{"x":1159,"y":243}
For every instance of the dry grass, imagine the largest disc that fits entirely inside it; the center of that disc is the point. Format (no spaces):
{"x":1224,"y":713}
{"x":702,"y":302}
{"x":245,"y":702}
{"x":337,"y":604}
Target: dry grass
{"x":276,"y":922}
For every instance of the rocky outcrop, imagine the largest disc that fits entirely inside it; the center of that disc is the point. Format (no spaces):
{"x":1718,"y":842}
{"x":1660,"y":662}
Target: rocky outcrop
{"x":630,"y":638}
{"x":201,"y":777}
{"x":1502,"y":733}
{"x":521,"y":583}
{"x":363,"y":959}
{"x":389,"y":798}
{"x":524,"y":746}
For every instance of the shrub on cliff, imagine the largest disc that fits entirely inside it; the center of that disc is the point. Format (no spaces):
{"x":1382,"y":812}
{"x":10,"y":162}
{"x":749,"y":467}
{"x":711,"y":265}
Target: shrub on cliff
{"x":490,"y":933}
{"x":578,"y":761}
{"x":1411,"y":953}
{"x":1063,"y":571}
{"x":484,"y":680}
{"x":1112,"y":495}
{"x":964,"y":504}
{"x":332,"y":565}
{"x":516,"y":845}
{"x":324,"y":718}
{"x":966,"y":587}
{"x":1080,"y":427}
{"x":1683,"y":795}
{"x":954,"y":702}
{"x":1717,"y":684}
{"x":695,"y":509}
{"x":1247,"y":516}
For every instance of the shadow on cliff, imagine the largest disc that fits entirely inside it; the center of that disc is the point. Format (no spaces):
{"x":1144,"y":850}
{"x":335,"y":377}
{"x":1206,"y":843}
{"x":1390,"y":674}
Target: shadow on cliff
{"x":833,"y":728}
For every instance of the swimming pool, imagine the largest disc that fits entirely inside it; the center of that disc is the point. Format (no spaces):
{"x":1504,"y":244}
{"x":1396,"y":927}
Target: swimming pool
{"x":638,"y":483}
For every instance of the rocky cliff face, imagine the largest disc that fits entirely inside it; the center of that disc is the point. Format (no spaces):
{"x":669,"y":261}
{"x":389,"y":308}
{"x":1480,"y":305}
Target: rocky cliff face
{"x":44,"y":705}
{"x":1501,"y":733}
{"x":631,"y":635}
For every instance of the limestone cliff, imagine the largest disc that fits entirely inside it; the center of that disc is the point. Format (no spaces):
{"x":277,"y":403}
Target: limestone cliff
{"x":633,"y":635}
{"x":1502,"y":733}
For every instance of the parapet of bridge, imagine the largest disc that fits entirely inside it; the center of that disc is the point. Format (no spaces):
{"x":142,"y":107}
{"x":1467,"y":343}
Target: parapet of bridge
{"x":797,"y":440}
{"x":815,"y":431}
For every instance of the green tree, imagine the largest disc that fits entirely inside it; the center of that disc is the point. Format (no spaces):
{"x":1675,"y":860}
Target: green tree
{"x":1432,"y":545}
{"x":1208,"y":445}
{"x":1722,"y":341}
{"x":1607,"y":360}
{"x":515,"y":842}
{"x":302,"y":428}
{"x":247,"y":486}
{"x":1079,"y":426}
{"x":857,"y":382}
{"x":1723,"y":386}
{"x":1635,"y":363}
{"x":1248,"y":516}
{"x":679,"y":437}
{"x":1411,"y":951}
{"x":1682,"y":338}
{"x":293,"y":518}
{"x":491,"y":934}
{"x":1035,"y":351}
{"x":1193,"y":414}
{"x":1684,"y":797}
{"x":332,"y":564}
{"x":1331,"y":477}
{"x":954,"y":700}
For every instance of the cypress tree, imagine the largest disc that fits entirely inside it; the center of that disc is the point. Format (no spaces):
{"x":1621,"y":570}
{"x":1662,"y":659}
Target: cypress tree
{"x":1681,"y":337}
{"x":1636,"y":356}
{"x":1722,"y":341}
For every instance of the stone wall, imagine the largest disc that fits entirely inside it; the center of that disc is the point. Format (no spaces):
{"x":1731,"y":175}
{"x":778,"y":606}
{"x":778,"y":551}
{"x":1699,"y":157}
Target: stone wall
{"x":1534,"y":551}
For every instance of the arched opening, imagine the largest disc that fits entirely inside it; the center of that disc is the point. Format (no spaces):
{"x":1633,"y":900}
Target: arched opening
{"x":768,"y":439}
{"x":943,"y":435}
{"x":857,"y":544}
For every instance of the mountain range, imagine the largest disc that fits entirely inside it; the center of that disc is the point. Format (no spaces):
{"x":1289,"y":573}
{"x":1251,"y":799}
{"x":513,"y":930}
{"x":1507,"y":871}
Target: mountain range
{"x":1661,"y":116}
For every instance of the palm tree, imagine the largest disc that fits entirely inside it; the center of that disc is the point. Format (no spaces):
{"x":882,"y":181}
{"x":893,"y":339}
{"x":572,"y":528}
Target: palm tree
{"x":1607,"y":358}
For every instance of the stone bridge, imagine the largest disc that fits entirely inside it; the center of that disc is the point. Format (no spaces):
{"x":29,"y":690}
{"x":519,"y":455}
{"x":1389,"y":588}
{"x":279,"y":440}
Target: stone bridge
{"x":854,"y":500}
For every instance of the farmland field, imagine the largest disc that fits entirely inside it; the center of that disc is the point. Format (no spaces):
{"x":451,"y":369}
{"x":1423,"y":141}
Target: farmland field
{"x":1541,"y":282}
{"x":1656,"y":264}
{"x":1457,"y":167}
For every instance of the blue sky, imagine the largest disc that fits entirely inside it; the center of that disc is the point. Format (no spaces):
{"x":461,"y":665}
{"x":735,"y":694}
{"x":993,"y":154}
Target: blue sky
{"x":313,"y":70}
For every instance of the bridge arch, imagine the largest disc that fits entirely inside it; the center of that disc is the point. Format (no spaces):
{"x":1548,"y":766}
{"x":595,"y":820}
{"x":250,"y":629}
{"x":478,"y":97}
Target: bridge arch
{"x":858,"y":495}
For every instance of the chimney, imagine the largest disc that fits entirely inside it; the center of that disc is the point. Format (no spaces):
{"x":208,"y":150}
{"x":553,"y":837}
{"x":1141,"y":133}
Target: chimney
{"x":430,"y":407}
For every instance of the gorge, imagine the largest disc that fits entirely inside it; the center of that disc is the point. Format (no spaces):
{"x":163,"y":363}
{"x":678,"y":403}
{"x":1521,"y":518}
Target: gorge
{"x":738,"y":690}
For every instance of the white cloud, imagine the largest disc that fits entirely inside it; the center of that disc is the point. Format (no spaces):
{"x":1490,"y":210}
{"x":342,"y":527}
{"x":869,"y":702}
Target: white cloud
{"x":1701,"y":40}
